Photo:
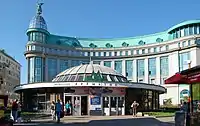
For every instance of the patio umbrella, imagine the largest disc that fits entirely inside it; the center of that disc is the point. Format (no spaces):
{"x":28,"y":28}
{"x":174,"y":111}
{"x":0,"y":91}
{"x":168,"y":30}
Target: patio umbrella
{"x":177,"y":79}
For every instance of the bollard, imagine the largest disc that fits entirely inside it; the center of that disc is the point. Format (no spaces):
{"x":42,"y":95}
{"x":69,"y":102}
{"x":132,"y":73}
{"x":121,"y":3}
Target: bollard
{"x":180,"y":118}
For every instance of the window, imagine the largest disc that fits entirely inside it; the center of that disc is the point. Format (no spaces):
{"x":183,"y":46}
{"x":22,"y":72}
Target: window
{"x":110,"y":53}
{"x":129,"y":68}
{"x":183,"y":59}
{"x":121,"y":53}
{"x":149,"y":50}
{"x":96,"y":62}
{"x":140,"y":67}
{"x":88,"y":54}
{"x":107,"y":63}
{"x":189,"y":42}
{"x":143,"y":51}
{"x":37,"y":36}
{"x":154,"y":49}
{"x":179,"y":45}
{"x":191,"y":32}
{"x":184,"y":44}
{"x":52,"y":68}
{"x":64,"y":64}
{"x":115,"y":53}
{"x":99,"y":53}
{"x":186,"y":31}
{"x":118,"y":66}
{"x":126,"y":53}
{"x":104,"y":53}
{"x":132,"y":52}
{"x":36,"y":69}
{"x":195,"y":29}
{"x":152,"y":66}
{"x":164,"y":68}
{"x":137,"y":52}
{"x":94,"y":54}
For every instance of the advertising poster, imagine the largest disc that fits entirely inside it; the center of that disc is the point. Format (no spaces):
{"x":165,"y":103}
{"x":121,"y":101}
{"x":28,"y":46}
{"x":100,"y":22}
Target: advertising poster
{"x":95,"y":103}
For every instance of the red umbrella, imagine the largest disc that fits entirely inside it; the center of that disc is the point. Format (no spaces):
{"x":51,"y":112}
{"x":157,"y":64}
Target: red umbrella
{"x":177,"y":79}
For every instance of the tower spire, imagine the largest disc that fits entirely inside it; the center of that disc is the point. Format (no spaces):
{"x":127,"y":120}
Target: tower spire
{"x":39,"y":8}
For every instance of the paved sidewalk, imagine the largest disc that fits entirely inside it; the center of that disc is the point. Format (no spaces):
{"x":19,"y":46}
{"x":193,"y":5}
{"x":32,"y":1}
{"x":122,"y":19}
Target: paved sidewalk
{"x":104,"y":121}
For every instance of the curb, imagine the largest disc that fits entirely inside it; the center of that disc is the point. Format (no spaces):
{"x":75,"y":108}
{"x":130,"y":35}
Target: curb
{"x":162,"y":116}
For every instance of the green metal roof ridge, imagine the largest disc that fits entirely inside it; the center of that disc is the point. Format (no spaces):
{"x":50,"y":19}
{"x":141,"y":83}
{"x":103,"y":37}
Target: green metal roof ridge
{"x":187,"y":22}
{"x":110,"y":39}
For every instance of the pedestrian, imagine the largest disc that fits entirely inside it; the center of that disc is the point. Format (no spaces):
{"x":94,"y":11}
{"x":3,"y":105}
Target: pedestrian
{"x":58,"y":109}
{"x":14,"y":110}
{"x":68,"y":108}
{"x":134,"y":108}
{"x":53,"y":114}
{"x":19,"y":112}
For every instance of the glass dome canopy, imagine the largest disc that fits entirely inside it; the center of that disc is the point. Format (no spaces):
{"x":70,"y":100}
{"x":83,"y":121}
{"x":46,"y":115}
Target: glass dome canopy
{"x":38,"y":22}
{"x":90,"y":72}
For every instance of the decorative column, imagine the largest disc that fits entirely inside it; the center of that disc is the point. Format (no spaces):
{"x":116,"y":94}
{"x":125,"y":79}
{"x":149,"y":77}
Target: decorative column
{"x":158,"y":77}
{"x":146,"y":69}
{"x":135,"y":79}
{"x":124,"y":67}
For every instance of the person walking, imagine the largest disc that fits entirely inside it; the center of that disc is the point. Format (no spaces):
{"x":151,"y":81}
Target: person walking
{"x":68,"y":108}
{"x":53,"y":114}
{"x":19,"y":112}
{"x":14,"y":110}
{"x":58,"y":109}
{"x":134,"y":108}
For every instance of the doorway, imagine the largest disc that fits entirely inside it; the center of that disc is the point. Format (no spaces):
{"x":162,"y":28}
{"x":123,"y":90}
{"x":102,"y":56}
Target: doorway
{"x":68,"y":98}
{"x":84,"y":105}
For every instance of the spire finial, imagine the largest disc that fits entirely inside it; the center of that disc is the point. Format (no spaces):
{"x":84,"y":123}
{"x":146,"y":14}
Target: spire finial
{"x":39,"y":7}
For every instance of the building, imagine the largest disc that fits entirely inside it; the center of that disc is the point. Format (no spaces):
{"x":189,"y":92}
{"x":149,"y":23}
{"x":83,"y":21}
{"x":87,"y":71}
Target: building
{"x":144,"y":59}
{"x":9,"y":74}
{"x":93,"y":90}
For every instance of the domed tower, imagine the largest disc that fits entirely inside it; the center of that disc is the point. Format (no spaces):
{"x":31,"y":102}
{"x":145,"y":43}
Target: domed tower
{"x":37,"y":31}
{"x":37,"y":37}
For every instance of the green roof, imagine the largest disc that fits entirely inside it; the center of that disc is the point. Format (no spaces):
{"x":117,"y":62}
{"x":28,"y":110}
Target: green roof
{"x":113,"y":42}
{"x":183,"y":24}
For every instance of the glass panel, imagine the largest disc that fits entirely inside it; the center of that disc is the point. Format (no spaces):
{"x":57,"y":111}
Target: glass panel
{"x":107,"y":63}
{"x":113,"y":102}
{"x":140,"y":68}
{"x":129,"y":68}
{"x":63,"y":65}
{"x":186,"y":31}
{"x":191,"y":32}
{"x":183,"y":59}
{"x":96,"y":62}
{"x":164,"y":70}
{"x":52,"y":68}
{"x":31,"y":70}
{"x":38,"y":69}
{"x":152,"y":67}
{"x":118,"y":66}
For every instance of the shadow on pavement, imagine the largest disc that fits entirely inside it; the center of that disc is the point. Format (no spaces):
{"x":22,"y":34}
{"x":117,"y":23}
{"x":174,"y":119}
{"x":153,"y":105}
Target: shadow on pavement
{"x":114,"y":122}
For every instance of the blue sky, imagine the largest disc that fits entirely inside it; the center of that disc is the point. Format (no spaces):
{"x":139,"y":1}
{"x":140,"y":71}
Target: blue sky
{"x":90,"y":18}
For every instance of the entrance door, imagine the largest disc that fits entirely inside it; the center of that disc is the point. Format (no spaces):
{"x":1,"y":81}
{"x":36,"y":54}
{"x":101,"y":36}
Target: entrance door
{"x":113,"y":106}
{"x":76,"y":100}
{"x":84,"y":105}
